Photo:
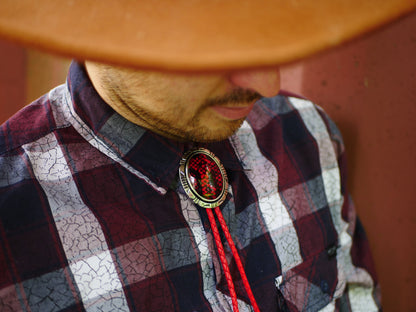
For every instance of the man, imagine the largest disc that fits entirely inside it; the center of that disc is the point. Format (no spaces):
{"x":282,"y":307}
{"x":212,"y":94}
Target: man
{"x":104,"y":181}
{"x":185,"y":107}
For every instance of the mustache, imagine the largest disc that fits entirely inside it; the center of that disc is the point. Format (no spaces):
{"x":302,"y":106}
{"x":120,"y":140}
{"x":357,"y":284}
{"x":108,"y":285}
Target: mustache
{"x":237,"y":96}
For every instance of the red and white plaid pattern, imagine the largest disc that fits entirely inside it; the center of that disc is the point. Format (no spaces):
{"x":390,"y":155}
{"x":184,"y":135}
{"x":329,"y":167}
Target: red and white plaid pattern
{"x":92,"y":217}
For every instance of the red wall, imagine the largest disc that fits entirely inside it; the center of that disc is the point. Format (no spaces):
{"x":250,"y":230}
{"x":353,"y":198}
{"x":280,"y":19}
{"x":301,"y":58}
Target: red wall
{"x":25,"y":75}
{"x":369,"y":88}
{"x":12,"y":79}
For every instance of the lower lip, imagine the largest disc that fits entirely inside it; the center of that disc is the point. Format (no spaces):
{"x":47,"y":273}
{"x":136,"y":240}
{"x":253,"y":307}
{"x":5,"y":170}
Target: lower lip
{"x":233,"y":113}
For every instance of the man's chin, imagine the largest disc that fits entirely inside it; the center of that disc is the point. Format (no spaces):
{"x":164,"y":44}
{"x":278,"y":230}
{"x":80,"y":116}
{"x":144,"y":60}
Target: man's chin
{"x":209,"y":135}
{"x":201,"y":133}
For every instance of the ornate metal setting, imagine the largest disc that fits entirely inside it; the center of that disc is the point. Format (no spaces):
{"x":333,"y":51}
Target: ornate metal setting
{"x":203,"y":178}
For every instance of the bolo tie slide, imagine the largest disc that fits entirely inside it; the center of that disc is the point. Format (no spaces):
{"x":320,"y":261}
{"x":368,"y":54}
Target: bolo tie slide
{"x":204,"y":180}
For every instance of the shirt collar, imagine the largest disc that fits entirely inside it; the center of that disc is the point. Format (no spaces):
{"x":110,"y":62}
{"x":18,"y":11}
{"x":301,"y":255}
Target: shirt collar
{"x":154,"y":156}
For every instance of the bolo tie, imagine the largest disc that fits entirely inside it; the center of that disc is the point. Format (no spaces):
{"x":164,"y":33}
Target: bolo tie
{"x":205,"y":181}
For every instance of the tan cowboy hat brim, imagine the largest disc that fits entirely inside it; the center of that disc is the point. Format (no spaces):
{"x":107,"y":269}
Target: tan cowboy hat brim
{"x":192,"y":34}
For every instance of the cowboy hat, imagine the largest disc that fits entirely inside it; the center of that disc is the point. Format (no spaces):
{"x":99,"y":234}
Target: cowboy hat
{"x":192,"y":34}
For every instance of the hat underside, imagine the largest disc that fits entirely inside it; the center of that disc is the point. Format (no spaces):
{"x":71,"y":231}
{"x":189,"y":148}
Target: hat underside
{"x":192,"y":35}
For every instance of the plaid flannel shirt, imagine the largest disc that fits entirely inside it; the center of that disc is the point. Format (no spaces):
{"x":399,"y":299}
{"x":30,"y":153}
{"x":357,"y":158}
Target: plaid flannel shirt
{"x":92,"y":217}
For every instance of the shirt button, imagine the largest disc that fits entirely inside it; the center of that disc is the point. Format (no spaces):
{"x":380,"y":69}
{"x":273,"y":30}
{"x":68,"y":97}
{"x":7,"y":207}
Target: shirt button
{"x":332,"y":251}
{"x":324,"y":286}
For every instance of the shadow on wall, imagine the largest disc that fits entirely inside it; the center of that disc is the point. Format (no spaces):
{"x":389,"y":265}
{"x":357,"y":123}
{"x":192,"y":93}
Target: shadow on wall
{"x":25,"y":75}
{"x":369,"y":88}
{"x":12,"y":79}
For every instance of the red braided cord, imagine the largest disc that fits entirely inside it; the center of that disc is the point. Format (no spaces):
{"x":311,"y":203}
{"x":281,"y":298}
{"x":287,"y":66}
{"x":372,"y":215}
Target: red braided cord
{"x":223,"y":260}
{"x":237,"y":259}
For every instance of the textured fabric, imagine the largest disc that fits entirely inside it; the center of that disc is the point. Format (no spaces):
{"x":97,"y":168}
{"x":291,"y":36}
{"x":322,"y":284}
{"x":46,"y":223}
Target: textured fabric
{"x":93,"y":217}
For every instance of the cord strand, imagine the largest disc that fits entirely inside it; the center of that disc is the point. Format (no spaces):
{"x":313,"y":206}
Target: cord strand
{"x":224,"y":262}
{"x":237,"y":259}
{"x":223,"y":259}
